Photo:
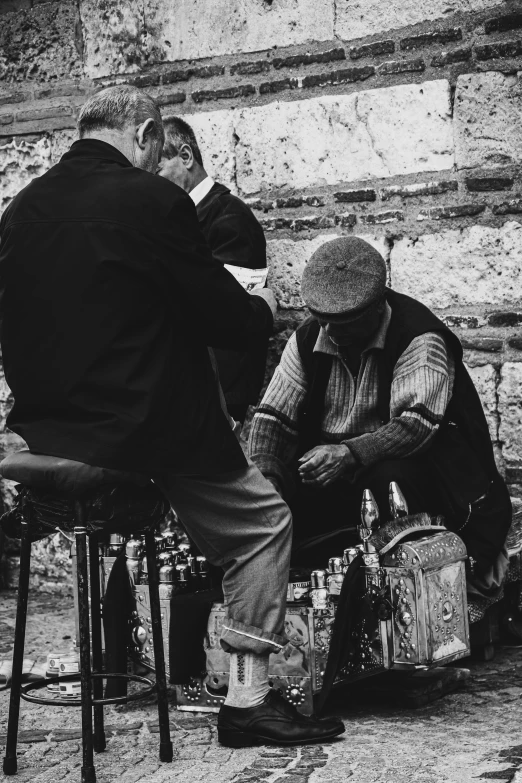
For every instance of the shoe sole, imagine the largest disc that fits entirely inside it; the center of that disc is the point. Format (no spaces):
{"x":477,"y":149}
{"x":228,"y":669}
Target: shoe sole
{"x":242,"y":739}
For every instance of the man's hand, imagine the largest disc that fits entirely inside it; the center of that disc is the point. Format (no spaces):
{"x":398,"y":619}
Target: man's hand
{"x":268,"y":295}
{"x":324,"y":464}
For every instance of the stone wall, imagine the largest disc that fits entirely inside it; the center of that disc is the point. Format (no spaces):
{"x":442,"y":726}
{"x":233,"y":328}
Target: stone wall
{"x":400,"y":122}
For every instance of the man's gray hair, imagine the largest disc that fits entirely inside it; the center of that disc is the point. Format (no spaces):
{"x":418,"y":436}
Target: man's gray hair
{"x":117,"y":108}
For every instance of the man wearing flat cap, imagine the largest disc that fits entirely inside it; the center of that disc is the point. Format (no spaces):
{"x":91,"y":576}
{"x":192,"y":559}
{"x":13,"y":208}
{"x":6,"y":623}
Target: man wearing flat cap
{"x":371,"y":389}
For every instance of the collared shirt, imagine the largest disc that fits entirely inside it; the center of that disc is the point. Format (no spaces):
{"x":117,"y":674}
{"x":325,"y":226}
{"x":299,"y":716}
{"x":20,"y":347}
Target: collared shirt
{"x":198,"y":193}
{"x":421,"y":388}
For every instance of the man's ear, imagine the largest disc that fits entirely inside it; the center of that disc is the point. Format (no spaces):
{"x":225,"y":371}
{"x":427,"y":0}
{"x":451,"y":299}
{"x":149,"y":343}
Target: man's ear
{"x":187,"y":156}
{"x":144,"y":131}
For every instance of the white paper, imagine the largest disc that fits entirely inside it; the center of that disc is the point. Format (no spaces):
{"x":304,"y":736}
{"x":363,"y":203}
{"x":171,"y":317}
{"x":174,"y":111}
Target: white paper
{"x":250,"y":279}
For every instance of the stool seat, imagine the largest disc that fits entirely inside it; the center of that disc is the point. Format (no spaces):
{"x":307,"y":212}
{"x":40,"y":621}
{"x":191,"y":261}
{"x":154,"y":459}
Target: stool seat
{"x":64,"y":476}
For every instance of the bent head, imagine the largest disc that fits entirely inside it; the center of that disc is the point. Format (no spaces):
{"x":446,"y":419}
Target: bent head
{"x":181,"y":162}
{"x":344,"y":285}
{"x":127,"y":118}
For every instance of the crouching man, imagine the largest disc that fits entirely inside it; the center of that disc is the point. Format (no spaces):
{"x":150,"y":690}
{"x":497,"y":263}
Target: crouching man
{"x":371,"y":389}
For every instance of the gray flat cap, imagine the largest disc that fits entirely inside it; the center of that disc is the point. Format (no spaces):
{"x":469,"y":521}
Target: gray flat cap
{"x":343,"y":276}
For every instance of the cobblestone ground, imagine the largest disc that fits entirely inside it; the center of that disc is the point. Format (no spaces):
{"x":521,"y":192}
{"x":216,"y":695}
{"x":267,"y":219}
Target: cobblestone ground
{"x":472,"y":735}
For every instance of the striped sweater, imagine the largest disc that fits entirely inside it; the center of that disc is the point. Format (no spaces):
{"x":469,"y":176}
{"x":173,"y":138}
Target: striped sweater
{"x":421,"y":388}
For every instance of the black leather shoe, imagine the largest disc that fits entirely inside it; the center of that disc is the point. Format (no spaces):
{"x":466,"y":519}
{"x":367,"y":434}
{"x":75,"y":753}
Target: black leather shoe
{"x":274,"y":722}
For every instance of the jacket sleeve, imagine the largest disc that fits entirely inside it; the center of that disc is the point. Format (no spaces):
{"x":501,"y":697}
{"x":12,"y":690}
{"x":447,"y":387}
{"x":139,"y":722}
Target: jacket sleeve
{"x":274,"y":433}
{"x":236,"y":241}
{"x":203,"y":293}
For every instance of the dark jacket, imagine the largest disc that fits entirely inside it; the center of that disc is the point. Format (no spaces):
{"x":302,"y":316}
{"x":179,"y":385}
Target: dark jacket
{"x":236,"y":238}
{"x":461,"y":453}
{"x":109,"y":299}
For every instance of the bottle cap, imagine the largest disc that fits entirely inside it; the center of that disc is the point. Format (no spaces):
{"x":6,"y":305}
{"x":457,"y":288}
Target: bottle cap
{"x":335,"y":565}
{"x":318,"y":579}
{"x":167,"y":574}
{"x":202,"y":564}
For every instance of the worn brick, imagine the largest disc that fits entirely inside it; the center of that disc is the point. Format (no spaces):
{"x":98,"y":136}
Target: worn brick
{"x":459,"y":55}
{"x":13,"y":97}
{"x":44,"y":113}
{"x":419,"y":189}
{"x":289,"y":202}
{"x":372,"y":49}
{"x":367,"y":194}
{"x":296,"y":60}
{"x":481,"y":184}
{"x":488,"y":131}
{"x":459,"y":267}
{"x":454,"y":211}
{"x":462,"y":321}
{"x":500,"y":24}
{"x":344,"y":76}
{"x":275,"y":223}
{"x":513,"y":474}
{"x":6,"y":119}
{"x":258,"y":203}
{"x":278,"y":86}
{"x":504,"y":318}
{"x":174,"y":75}
{"x":435,"y":36}
{"x":64,"y":90}
{"x":241,"y":91}
{"x":207,"y":71}
{"x":375,"y":133}
{"x":249,"y":68}
{"x":314,"y":201}
{"x":499,"y":49}
{"x":401,"y":66}
{"x":388,"y":216}
{"x":167,"y":98}
{"x":516,"y":343}
{"x":313,"y":222}
{"x":346,"y":219}
{"x":511,"y":207}
{"x":488,"y":344}
{"x":144,"y":80}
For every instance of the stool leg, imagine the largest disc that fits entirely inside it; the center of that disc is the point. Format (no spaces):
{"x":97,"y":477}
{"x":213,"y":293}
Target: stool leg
{"x":88,"y":771}
{"x":10,"y":763}
{"x":97,"y":655}
{"x":166,"y":752}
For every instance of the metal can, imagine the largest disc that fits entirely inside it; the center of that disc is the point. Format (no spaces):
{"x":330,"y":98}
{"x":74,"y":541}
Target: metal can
{"x":335,"y":577}
{"x":116,"y":544}
{"x":167,"y":576}
{"x":70,"y":664}
{"x":183,"y":576}
{"x":52,"y":668}
{"x":160,"y":543}
{"x":144,"y":571}
{"x":133,"y":548}
{"x":319,"y":591}
{"x":204,"y":581}
{"x":165,"y":558}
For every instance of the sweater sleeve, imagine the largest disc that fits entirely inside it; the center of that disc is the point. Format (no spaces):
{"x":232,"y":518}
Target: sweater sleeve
{"x":421,"y":389}
{"x":273,"y":436}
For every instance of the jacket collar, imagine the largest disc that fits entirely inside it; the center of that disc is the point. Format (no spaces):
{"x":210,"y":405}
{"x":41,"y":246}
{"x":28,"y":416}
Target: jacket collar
{"x":96,"y":149}
{"x":323,"y":344}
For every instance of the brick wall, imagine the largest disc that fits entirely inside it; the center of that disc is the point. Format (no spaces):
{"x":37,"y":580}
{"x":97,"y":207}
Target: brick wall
{"x":400,"y":122}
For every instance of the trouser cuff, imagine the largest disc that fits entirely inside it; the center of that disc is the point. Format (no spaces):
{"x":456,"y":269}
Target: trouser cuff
{"x":247,"y":638}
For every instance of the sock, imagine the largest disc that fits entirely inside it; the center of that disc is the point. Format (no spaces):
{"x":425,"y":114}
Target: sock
{"x":248,"y":683}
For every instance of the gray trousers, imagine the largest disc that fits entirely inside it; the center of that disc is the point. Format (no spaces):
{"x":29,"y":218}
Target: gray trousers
{"x":240,"y":522}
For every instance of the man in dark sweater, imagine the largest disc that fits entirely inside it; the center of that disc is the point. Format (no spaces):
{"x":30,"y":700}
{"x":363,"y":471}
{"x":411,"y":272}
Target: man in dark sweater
{"x":109,"y":299}
{"x":236,"y":240}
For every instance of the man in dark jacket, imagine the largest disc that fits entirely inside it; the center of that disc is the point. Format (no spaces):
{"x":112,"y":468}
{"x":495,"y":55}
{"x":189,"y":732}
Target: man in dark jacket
{"x":371,"y":389}
{"x":109,"y":299}
{"x":236,"y":240}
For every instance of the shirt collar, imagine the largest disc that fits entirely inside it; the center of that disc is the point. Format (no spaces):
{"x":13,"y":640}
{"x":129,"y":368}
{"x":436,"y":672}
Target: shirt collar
{"x":198,"y":193}
{"x":324,"y":344}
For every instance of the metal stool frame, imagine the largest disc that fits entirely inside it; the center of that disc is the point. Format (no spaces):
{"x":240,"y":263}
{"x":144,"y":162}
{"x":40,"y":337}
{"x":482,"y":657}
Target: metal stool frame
{"x":91,"y":702}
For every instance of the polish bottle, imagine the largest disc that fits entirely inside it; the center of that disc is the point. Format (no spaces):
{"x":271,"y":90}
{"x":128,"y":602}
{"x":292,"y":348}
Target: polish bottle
{"x":319,"y":591}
